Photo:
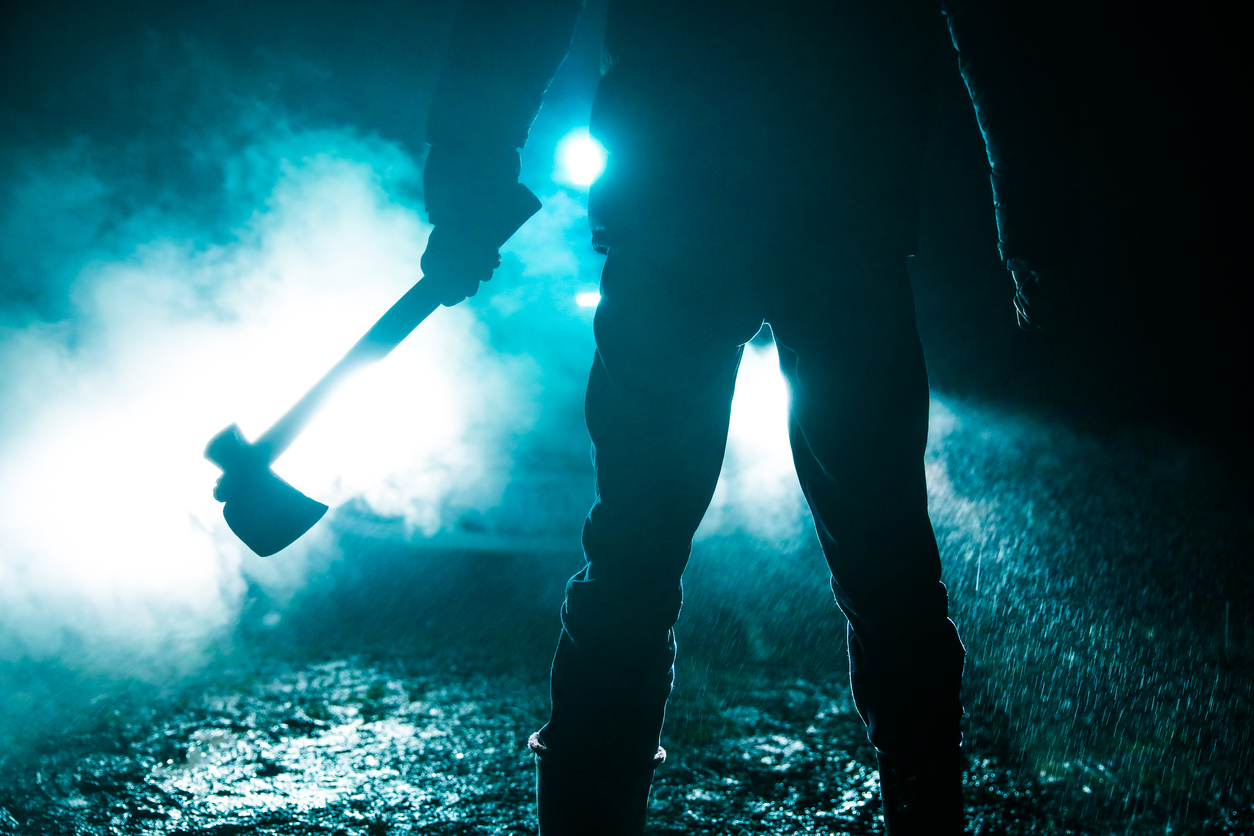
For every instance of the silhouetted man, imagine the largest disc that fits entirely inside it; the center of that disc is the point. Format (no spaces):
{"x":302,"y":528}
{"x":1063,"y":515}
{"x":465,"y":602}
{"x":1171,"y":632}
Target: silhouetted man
{"x":763,"y":166}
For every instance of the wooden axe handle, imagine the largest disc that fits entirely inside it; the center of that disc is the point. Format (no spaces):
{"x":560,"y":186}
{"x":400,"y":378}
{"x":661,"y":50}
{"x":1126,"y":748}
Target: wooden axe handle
{"x":386,"y":334}
{"x":517,"y":205}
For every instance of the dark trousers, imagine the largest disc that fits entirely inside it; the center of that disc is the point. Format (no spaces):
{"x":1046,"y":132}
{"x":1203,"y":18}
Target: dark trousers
{"x":675,"y":311}
{"x":791,"y":202}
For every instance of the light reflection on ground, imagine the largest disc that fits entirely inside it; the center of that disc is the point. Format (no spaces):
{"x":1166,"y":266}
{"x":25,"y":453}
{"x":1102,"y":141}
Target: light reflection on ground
{"x":347,"y":747}
{"x":1100,"y":587}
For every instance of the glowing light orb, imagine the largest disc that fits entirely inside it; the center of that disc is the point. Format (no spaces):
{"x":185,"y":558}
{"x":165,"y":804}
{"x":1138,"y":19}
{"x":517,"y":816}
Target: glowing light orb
{"x":588,"y":300}
{"x":581,"y":159}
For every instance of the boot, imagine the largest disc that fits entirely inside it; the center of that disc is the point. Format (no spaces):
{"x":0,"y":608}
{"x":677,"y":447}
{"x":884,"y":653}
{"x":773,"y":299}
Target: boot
{"x":582,"y":801}
{"x":922,"y":796}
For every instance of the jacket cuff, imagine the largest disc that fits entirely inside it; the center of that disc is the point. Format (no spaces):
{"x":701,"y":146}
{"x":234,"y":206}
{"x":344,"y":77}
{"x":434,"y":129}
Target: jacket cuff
{"x":463,"y":184}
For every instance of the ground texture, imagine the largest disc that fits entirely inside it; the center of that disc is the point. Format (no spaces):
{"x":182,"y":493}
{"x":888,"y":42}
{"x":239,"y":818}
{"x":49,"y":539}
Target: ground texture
{"x":1104,"y":590}
{"x":355,"y":748}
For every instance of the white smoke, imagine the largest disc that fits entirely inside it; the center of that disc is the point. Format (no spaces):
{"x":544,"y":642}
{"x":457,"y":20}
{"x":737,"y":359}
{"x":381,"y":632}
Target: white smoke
{"x":109,"y":537}
{"x":968,"y":524}
{"x":108,"y":533}
{"x":757,"y":492}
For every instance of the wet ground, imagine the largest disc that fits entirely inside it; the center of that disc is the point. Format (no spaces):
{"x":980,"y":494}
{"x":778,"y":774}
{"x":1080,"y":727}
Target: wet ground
{"x":355,"y":748}
{"x":1102,"y":588}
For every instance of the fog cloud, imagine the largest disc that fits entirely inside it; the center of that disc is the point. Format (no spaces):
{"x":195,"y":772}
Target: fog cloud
{"x":110,"y":535}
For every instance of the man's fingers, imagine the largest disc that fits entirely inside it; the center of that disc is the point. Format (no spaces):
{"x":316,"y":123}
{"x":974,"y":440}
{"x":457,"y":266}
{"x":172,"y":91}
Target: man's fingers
{"x":458,"y":260}
{"x":1027,"y":301}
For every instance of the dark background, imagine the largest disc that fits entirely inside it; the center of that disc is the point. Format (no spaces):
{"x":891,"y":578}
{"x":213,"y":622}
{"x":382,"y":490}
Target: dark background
{"x":1146,"y":326}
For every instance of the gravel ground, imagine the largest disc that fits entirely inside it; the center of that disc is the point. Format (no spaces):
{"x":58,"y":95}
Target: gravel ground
{"x":357,"y":748}
{"x":1103,"y":591}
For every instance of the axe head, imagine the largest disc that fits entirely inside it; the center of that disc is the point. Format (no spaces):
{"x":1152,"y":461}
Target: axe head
{"x":265,"y":512}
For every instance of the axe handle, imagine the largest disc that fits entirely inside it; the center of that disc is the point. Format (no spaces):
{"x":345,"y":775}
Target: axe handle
{"x":386,"y":334}
{"x":517,"y":204}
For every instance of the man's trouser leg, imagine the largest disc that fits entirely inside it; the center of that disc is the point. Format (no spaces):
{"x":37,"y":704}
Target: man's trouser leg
{"x":859,"y":417}
{"x":658,"y":403}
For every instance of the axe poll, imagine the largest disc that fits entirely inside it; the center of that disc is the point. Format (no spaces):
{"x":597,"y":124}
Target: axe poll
{"x":266,"y":512}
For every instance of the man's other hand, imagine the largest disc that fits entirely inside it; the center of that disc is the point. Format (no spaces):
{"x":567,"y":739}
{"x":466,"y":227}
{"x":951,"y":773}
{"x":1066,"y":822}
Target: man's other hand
{"x":457,"y":260}
{"x":1036,"y":291}
{"x":1025,"y":282}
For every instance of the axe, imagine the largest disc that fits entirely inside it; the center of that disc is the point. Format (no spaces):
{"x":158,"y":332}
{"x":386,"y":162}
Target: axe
{"x":266,"y":512}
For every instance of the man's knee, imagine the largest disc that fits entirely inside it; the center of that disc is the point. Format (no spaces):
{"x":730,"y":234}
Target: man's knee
{"x":893,"y":604}
{"x":620,"y":609}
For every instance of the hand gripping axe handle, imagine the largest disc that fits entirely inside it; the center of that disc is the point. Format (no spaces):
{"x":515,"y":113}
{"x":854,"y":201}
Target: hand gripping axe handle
{"x":266,"y":512}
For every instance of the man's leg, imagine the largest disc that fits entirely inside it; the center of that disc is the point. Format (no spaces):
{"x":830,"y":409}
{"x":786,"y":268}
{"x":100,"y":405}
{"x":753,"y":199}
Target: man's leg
{"x":859,"y":427}
{"x":658,"y":403}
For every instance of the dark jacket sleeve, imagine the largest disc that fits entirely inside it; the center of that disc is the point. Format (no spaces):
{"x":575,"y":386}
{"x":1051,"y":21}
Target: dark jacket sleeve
{"x":1014,"y":71}
{"x":502,"y":57}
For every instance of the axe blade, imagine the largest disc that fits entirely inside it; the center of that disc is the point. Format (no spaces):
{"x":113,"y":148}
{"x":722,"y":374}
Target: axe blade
{"x":265,"y":512}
